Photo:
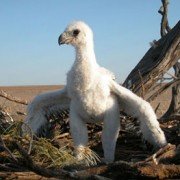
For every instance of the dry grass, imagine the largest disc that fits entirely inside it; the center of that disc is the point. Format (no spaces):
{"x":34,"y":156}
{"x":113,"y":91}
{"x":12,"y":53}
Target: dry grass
{"x":42,"y":151}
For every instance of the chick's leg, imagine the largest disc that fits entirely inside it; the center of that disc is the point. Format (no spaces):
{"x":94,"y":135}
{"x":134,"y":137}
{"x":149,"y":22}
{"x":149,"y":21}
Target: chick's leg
{"x":110,"y":130}
{"x":79,"y":133}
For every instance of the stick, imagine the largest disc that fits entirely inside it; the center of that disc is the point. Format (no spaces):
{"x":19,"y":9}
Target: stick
{"x":157,"y":108}
{"x":162,"y":89}
{"x":141,"y":78}
{"x":158,"y":154}
{"x":7,"y":149}
{"x":11,"y":98}
{"x":61,"y":136}
{"x":173,"y":76}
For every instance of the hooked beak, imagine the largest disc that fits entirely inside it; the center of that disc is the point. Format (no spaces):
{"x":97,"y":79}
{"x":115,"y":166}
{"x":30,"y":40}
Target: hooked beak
{"x":61,"y":40}
{"x":64,"y":39}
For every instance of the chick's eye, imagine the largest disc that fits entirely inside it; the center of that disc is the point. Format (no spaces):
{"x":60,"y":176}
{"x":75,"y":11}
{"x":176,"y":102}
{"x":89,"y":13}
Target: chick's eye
{"x":76,"y":32}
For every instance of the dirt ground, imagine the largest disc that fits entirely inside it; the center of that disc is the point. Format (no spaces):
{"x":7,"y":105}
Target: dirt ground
{"x":23,"y":93}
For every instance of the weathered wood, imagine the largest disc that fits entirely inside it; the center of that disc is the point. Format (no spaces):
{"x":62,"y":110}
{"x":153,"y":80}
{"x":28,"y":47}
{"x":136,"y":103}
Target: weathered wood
{"x":164,"y":21}
{"x":125,"y":170}
{"x":163,"y":88}
{"x":11,"y":98}
{"x":160,"y":171}
{"x":159,"y":59}
{"x":174,"y":108}
{"x":118,"y":170}
{"x":23,"y":175}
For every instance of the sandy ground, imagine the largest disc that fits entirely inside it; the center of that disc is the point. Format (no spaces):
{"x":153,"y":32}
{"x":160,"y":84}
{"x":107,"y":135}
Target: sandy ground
{"x":23,"y":93}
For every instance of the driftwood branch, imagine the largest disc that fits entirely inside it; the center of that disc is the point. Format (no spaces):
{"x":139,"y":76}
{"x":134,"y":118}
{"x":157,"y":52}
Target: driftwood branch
{"x":156,"y":62}
{"x":11,"y":98}
{"x":162,"y":89}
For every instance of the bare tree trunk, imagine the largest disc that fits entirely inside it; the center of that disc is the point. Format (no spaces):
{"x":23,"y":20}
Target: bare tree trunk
{"x":164,"y":21}
{"x":174,"y":108}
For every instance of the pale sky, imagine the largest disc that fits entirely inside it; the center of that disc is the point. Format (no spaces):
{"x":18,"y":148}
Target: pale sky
{"x":29,"y":52}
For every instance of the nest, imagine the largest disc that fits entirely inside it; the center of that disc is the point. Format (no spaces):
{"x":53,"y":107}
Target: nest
{"x":44,"y":152}
{"x":52,"y":158}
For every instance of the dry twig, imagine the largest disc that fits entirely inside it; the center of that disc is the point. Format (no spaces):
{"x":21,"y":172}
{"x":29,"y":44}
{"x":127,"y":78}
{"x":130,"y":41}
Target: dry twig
{"x":7,"y":150}
{"x":163,"y":88}
{"x":142,"y":86}
{"x":11,"y":98}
